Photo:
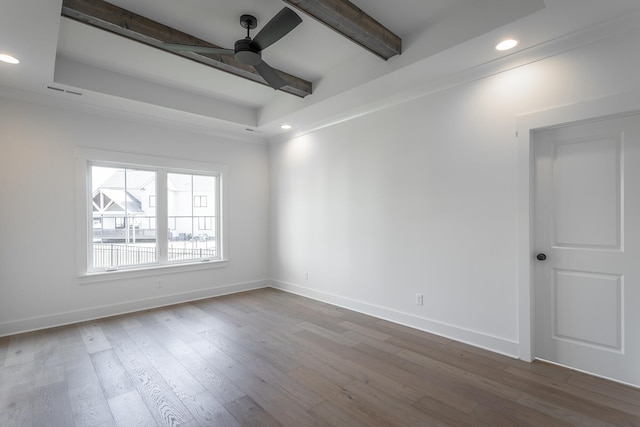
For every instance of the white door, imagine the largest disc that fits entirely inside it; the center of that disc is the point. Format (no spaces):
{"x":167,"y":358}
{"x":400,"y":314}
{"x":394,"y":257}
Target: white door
{"x":587,"y":224}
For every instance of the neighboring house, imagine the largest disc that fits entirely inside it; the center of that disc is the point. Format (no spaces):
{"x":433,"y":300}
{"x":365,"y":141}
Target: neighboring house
{"x":124,"y":210}
{"x":116,"y":214}
{"x":124,"y":207}
{"x":191,"y":206}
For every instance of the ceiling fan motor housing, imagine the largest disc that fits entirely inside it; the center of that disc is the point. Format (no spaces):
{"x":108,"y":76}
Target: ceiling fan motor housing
{"x":247,"y":54}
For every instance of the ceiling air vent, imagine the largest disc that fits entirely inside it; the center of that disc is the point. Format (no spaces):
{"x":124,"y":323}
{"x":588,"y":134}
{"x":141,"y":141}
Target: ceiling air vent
{"x":59,"y":89}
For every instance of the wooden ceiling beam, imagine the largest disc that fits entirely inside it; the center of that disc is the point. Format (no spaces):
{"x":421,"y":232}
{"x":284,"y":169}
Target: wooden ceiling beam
{"x":106,"y":16}
{"x":353,"y":23}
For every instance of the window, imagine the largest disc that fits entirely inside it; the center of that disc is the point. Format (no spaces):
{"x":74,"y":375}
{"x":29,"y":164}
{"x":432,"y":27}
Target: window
{"x":187,"y":226}
{"x":204,"y":222}
{"x":200,"y":201}
{"x":117,"y":239}
{"x":144,"y":212}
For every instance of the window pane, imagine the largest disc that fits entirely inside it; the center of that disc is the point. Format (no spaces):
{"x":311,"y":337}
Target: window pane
{"x":123,"y":221}
{"x":192,"y":211}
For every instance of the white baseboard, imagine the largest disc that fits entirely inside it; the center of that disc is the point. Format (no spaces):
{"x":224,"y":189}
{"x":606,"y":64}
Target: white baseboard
{"x":85,"y":314}
{"x":477,"y":339}
{"x":488,"y":342}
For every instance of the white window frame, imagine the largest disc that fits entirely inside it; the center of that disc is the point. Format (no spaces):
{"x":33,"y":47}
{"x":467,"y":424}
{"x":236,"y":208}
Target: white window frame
{"x":86,"y":157}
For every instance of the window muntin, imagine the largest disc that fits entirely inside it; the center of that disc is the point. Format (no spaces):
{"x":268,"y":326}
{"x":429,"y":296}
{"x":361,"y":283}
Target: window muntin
{"x":143,"y":201}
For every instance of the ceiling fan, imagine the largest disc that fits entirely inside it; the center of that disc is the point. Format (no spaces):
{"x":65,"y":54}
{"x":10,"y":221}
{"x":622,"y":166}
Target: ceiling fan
{"x":248,"y":51}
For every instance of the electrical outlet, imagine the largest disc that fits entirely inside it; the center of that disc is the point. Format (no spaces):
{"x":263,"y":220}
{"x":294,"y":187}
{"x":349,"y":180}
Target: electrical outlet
{"x":306,"y":275}
{"x":419,"y":299}
{"x":160,"y":284}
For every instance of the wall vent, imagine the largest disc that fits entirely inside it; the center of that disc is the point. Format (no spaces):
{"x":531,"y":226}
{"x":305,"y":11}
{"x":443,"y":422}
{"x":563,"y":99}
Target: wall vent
{"x":59,"y":89}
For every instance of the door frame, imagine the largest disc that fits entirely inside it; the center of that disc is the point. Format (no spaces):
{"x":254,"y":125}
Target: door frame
{"x":526,"y":125}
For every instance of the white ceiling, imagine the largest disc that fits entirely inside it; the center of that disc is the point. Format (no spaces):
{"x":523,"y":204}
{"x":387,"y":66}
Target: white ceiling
{"x":441,"y":39}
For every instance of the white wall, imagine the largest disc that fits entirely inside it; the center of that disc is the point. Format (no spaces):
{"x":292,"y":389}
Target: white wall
{"x":38,"y":274}
{"x":422,"y":198}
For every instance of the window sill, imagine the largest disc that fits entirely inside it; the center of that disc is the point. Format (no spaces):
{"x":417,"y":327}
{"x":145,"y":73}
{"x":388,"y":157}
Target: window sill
{"x":155,"y":270}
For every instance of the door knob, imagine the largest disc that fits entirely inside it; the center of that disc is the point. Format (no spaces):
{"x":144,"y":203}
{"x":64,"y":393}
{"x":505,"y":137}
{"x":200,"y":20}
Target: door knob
{"x":541,"y":257}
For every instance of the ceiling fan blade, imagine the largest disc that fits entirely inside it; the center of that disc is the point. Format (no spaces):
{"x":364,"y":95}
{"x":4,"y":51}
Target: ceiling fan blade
{"x":270,"y":75}
{"x":197,"y":49}
{"x":285,"y":21}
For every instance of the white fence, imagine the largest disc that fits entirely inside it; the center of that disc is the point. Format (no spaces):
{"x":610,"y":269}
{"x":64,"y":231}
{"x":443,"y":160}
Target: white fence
{"x":113,"y":255}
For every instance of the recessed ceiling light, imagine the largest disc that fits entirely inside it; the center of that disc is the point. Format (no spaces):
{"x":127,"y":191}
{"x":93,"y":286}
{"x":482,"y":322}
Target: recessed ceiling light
{"x":507,"y":44}
{"x":8,"y":59}
{"x":285,"y":127}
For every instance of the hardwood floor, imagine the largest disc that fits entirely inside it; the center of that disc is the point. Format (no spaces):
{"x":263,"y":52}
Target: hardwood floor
{"x":268,"y":358}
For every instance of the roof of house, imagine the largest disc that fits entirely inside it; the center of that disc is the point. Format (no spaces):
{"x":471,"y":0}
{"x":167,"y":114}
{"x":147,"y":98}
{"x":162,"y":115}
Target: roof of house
{"x":111,"y":201}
